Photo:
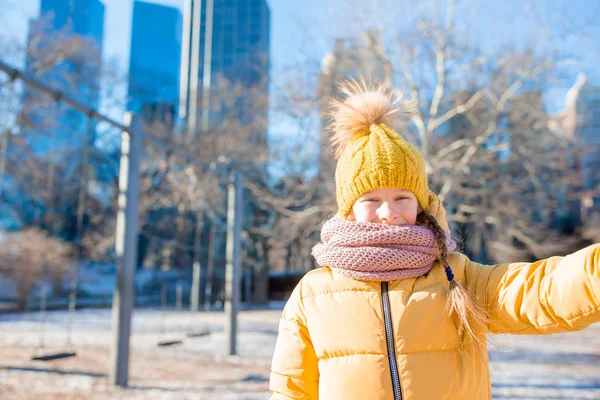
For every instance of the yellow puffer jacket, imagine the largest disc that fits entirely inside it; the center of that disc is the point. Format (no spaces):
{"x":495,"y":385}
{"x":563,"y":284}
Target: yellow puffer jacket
{"x":332,"y":335}
{"x":333,"y":339}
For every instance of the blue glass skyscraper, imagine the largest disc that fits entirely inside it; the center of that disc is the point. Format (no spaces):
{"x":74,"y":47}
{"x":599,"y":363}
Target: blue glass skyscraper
{"x":85,"y":17}
{"x":65,"y":52}
{"x":154,"y":61}
{"x":225,"y":45}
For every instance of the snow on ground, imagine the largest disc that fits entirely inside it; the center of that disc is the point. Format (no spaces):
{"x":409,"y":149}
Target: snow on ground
{"x":196,"y":369}
{"x":565,"y":366}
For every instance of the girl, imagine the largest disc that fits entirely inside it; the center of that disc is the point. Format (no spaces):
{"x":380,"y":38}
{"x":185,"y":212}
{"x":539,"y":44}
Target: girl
{"x":394,"y":313}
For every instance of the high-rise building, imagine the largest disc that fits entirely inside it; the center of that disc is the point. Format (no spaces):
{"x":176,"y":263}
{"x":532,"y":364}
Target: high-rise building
{"x":581,"y":122}
{"x":225,"y":53}
{"x":224,"y":87}
{"x":352,"y":58}
{"x":64,"y":51}
{"x":587,"y":131}
{"x":154,"y":61}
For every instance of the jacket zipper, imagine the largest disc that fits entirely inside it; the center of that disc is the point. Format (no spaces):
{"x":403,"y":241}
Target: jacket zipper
{"x":389,"y":338}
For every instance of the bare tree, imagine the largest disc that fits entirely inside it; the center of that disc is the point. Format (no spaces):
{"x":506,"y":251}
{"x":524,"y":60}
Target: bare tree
{"x":480,"y":125}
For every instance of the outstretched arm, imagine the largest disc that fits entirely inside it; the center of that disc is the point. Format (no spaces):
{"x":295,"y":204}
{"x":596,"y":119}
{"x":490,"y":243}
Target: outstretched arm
{"x":558,"y":294}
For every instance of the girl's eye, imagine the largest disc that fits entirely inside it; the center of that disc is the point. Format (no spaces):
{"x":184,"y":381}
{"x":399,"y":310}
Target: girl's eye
{"x":401,"y":198}
{"x":370,"y":200}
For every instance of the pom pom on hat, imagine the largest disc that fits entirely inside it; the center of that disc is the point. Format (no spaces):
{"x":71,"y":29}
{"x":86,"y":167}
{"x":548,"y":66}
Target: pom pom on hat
{"x":362,"y":107}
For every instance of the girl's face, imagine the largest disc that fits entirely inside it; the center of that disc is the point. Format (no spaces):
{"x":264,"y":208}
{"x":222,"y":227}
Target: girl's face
{"x":387,"y":206}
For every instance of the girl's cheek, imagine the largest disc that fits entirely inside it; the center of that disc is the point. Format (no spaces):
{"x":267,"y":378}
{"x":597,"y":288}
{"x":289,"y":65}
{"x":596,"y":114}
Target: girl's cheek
{"x":368,"y":215}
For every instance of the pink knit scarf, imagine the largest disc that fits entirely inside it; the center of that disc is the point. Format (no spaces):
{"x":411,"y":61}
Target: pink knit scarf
{"x":377,"y":252}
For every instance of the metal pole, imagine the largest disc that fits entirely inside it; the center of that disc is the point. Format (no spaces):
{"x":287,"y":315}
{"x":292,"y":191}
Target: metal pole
{"x":43,"y":302}
{"x":126,"y":248}
{"x":57,"y":95}
{"x":178,"y":297}
{"x":210,"y":265}
{"x":232,"y":272}
{"x":195,"y":294}
{"x":197,"y":269}
{"x":248,"y":283}
{"x":29,"y":80}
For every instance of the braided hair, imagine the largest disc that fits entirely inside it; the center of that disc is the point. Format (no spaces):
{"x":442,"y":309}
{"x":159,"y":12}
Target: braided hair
{"x":467,"y":312}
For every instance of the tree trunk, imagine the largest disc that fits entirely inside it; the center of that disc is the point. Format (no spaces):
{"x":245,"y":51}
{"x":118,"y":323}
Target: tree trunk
{"x":261,"y":277}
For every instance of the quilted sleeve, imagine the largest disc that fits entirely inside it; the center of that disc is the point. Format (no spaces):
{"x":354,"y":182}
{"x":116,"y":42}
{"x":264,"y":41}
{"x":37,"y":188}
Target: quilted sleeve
{"x":558,"y":294}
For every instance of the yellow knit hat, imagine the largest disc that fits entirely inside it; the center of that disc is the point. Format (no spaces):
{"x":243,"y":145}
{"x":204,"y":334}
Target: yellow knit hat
{"x":370,"y":154}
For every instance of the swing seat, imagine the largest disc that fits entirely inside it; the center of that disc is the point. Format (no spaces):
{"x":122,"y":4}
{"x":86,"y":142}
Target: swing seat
{"x":197,"y":334}
{"x":55,"y":356}
{"x":169,"y":343}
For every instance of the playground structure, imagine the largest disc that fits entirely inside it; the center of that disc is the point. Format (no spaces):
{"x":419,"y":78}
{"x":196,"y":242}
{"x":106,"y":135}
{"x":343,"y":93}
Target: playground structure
{"x":127,"y":229}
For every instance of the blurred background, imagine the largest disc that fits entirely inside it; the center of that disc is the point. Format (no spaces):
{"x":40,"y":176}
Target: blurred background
{"x":508,"y":122}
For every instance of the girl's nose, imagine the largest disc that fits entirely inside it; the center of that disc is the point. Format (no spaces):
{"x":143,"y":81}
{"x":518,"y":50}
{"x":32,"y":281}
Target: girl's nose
{"x":387,"y":213}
